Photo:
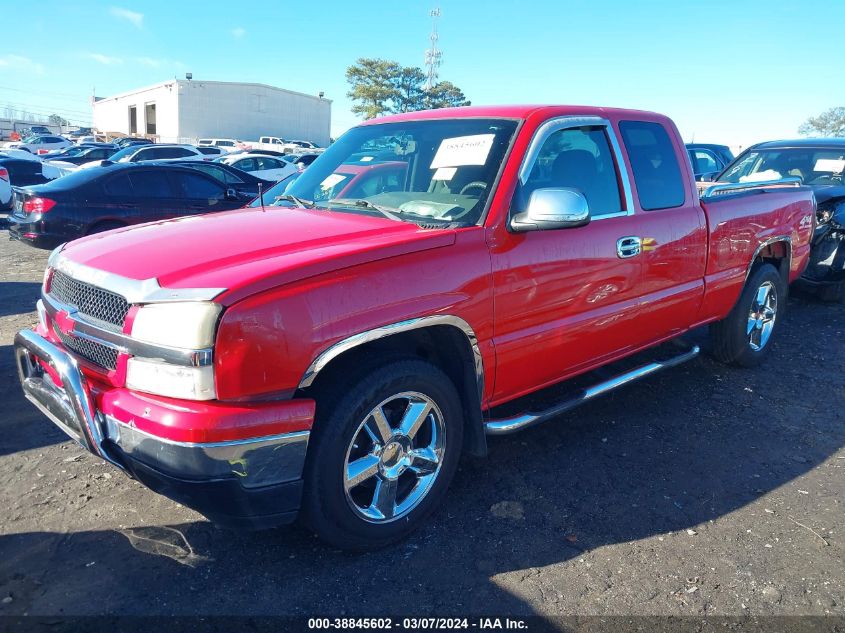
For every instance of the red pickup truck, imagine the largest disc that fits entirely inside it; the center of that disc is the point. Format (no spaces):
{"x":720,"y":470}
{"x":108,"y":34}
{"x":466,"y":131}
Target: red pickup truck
{"x":334,"y":356}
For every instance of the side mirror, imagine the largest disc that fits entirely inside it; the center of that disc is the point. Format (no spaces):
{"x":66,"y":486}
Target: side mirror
{"x":559,"y":208}
{"x":232,"y":194}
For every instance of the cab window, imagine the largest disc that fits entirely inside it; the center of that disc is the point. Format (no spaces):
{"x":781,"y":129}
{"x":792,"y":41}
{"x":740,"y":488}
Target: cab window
{"x":576,"y":158}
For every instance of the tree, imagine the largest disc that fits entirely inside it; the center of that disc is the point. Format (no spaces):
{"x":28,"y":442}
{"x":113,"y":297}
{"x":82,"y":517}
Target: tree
{"x":409,"y":94}
{"x":828,"y":123}
{"x":445,"y":94}
{"x":381,"y":86}
{"x":55,"y":119}
{"x":372,"y":86}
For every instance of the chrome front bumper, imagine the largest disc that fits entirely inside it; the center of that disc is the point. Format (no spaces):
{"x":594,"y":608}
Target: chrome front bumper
{"x":71,"y":406}
{"x":253,"y":463}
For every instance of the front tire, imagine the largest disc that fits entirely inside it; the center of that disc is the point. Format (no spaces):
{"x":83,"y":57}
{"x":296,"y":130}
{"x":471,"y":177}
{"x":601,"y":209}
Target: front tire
{"x":744,"y":337}
{"x":382,"y":454}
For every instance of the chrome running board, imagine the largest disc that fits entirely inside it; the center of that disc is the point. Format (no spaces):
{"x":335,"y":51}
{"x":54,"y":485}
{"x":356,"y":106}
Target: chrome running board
{"x":505,"y":426}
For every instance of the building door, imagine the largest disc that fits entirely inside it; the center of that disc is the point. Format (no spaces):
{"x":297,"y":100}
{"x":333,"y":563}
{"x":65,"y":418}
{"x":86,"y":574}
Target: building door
{"x":150,"y":117}
{"x":133,"y":120}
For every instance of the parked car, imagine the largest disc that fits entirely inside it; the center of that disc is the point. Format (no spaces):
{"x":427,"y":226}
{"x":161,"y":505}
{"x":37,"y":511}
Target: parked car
{"x":211,"y":151}
{"x":156,"y":151}
{"x":706,"y":162}
{"x":267,"y":167}
{"x":262,"y":152}
{"x":126,"y":141}
{"x":273,"y":196}
{"x":40,"y":144}
{"x":722,"y":152}
{"x":229,"y":176}
{"x":84,"y":154}
{"x":819,"y":164}
{"x":300,"y":161}
{"x":22,"y":172}
{"x":303,"y":146}
{"x":91,"y":201}
{"x":339,"y":357}
{"x":76,"y":150}
{"x":227,"y":144}
{"x":80,"y":132}
{"x":273,"y":143}
{"x":35,"y":130}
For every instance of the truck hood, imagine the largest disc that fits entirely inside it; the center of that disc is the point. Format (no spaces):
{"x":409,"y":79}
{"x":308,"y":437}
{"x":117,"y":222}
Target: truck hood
{"x":249,"y":250}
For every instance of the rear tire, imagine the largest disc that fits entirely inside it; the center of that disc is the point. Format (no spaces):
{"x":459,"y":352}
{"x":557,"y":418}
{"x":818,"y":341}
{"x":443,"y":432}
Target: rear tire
{"x":744,"y":337}
{"x":383,"y":451}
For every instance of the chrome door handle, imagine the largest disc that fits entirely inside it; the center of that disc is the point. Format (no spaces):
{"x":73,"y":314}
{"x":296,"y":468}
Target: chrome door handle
{"x":629,"y":247}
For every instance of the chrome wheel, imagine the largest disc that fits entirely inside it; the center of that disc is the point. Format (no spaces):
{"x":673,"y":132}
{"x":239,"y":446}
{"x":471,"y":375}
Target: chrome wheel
{"x":761,"y":318}
{"x":394,"y":457}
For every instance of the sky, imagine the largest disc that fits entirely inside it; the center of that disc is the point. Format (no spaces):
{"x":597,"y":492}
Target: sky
{"x":730,"y":72}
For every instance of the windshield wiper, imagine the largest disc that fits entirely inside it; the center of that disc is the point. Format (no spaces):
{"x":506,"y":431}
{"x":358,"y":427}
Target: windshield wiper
{"x":366,"y":204}
{"x":299,"y":202}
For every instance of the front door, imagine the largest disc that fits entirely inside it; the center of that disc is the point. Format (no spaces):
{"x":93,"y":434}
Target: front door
{"x":566,"y":299}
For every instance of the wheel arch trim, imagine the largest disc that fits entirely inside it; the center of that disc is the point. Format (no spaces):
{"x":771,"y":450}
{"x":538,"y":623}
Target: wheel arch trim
{"x":766,"y":243}
{"x":356,"y":340}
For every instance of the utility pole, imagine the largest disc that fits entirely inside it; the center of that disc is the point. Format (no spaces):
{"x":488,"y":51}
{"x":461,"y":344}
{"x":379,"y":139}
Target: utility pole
{"x":433,"y":56}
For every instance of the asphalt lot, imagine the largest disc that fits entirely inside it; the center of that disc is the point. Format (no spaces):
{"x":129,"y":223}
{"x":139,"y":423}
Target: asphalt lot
{"x":704,"y":490}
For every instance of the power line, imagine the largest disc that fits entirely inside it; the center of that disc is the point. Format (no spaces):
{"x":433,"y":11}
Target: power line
{"x":45,"y":115}
{"x":43,"y":106}
{"x":46,"y":92}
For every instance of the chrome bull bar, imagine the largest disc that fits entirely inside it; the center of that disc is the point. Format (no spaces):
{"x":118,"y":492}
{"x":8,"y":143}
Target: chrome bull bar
{"x":70,"y":407}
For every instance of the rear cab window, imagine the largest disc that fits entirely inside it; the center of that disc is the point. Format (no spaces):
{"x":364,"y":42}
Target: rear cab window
{"x":654,"y":162}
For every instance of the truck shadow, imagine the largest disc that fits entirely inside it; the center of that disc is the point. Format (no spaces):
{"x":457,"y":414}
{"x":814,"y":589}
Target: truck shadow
{"x":679,"y":450}
{"x":22,"y":426}
{"x":18,"y":297}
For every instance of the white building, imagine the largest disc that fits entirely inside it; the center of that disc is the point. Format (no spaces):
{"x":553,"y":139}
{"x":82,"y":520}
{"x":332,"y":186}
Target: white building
{"x":182,"y":111}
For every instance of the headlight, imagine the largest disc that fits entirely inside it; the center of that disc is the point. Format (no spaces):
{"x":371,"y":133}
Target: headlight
{"x":189,"y":325}
{"x":173,"y":381}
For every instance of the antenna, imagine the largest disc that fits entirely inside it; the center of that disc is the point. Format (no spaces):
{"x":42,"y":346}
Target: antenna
{"x":261,"y":195}
{"x":433,"y":56}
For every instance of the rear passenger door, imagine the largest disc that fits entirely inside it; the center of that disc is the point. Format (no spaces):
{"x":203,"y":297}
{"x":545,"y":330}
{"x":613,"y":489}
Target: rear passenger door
{"x":153,"y":197}
{"x":671,"y":229}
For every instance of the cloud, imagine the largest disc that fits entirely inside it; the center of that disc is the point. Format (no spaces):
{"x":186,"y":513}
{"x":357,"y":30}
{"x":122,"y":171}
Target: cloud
{"x":238,"y":32}
{"x":130,"y":16}
{"x":18,"y":62}
{"x":104,"y":59}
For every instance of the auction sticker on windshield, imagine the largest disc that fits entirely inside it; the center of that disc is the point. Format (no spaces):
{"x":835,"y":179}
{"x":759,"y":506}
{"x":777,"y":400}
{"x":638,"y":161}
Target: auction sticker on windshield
{"x":830,"y":164}
{"x":463,"y":150}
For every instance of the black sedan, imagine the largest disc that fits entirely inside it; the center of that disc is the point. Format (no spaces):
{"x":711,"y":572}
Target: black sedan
{"x":228,"y":176}
{"x":95,"y":200}
{"x":818,"y":164}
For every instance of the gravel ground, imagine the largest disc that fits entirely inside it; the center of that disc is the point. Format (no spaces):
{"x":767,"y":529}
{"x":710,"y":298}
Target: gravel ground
{"x":704,"y":490}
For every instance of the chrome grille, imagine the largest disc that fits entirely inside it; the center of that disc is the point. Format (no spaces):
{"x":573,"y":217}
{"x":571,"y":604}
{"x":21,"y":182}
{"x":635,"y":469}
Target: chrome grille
{"x":104,"y":307}
{"x":92,"y":351}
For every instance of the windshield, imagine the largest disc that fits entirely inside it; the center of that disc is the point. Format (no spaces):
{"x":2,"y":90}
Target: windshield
{"x":75,"y":151}
{"x":436,"y":170}
{"x":124,"y":153}
{"x":271,"y":194}
{"x":814,"y":166}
